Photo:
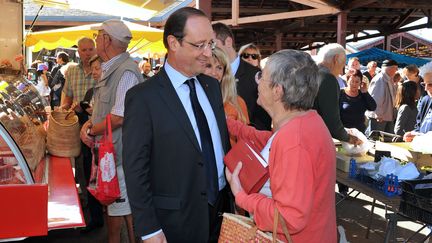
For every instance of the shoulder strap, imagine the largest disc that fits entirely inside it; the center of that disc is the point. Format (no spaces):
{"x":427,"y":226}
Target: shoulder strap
{"x":276,"y":218}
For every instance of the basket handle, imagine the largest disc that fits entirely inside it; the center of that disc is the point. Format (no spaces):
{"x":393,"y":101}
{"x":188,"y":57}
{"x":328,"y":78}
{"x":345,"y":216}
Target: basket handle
{"x":276,"y":218}
{"x":68,"y":114}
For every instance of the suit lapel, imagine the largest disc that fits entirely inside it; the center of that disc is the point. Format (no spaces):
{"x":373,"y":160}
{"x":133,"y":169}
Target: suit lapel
{"x":171,"y":99}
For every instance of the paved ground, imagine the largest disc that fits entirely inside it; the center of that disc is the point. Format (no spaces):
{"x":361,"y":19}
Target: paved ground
{"x":352,"y":214}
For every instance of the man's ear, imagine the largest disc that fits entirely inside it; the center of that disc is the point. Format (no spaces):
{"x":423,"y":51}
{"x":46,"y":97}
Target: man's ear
{"x":173,"y":43}
{"x":228,"y":42}
{"x":336,"y":59}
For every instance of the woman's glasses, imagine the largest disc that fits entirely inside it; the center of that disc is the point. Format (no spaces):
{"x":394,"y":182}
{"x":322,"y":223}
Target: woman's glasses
{"x":247,"y":55}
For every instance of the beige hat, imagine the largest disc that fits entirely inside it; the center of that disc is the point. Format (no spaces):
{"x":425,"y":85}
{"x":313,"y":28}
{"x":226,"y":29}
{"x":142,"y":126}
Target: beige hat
{"x":116,"y":29}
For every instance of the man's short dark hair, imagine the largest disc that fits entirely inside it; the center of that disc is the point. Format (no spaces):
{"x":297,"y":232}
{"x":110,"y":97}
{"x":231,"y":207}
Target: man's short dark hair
{"x":222,"y":32}
{"x":64,"y":56}
{"x":177,"y":21}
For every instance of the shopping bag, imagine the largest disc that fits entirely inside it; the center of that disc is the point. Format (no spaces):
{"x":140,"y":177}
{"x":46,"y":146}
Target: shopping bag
{"x":105,"y":187}
{"x":238,"y":228}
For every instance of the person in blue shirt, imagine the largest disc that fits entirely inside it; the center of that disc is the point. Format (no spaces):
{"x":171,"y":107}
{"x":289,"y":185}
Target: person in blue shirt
{"x":424,"y":116}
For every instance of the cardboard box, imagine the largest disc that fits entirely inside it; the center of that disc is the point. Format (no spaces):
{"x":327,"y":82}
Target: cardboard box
{"x":403,"y":152}
{"x":343,"y":160}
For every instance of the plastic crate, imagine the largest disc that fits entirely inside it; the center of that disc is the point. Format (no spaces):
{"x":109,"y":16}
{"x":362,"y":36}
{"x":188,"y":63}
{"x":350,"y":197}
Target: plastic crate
{"x":389,"y":185}
{"x":417,"y":202}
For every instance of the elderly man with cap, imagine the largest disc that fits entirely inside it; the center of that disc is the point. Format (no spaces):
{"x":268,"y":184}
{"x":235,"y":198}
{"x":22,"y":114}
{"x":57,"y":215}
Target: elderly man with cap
{"x":119,"y":74}
{"x":383,"y":90}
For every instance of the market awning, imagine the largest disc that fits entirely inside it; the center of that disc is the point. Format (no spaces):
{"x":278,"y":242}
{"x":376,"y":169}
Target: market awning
{"x":109,"y":7}
{"x":147,"y":39}
{"x":378,"y":55}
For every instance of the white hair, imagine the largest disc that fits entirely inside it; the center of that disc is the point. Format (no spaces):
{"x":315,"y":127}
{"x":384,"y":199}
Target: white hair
{"x":427,"y":68}
{"x":327,"y":52}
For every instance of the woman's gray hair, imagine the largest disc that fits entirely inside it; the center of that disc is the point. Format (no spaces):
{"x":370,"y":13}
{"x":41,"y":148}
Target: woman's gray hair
{"x":297,"y":73}
{"x":427,"y":68}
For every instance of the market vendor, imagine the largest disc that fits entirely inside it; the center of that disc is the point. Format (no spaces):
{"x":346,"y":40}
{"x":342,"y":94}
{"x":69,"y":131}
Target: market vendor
{"x":424,"y":116}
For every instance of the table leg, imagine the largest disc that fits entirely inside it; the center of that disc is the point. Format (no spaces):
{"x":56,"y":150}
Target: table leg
{"x":408,"y":240}
{"x":370,"y":218}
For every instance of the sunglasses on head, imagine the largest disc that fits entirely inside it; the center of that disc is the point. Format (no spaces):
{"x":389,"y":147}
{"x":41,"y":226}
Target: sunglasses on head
{"x":247,"y":55}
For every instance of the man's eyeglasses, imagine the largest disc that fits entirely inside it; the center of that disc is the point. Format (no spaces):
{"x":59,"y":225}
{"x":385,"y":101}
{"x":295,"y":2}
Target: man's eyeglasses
{"x":247,"y":55}
{"x":95,"y":35}
{"x":202,"y":46}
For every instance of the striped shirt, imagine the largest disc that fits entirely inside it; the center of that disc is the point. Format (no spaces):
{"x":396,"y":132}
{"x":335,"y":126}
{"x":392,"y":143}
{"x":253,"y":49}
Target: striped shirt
{"x":77,"y":82}
{"x":127,"y":81}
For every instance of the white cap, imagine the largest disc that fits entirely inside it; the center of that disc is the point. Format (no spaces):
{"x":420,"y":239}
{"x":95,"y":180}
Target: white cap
{"x":116,"y":29}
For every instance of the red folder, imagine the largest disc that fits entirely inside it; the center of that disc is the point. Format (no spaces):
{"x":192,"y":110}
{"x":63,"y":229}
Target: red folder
{"x":253,"y":174}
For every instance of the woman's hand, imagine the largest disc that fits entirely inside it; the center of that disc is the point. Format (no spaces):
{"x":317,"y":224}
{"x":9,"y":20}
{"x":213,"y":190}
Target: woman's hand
{"x":233,"y":179}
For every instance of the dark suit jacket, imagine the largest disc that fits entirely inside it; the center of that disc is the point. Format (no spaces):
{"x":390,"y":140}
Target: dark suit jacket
{"x":165,"y":176}
{"x":247,"y":89}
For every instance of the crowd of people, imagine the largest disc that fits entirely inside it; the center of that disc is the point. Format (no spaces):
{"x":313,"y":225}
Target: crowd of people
{"x":172,"y":124}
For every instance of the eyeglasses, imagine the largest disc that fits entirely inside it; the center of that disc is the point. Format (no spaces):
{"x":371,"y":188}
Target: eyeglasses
{"x":259,"y":78}
{"x":247,"y":55}
{"x":202,"y":46}
{"x":95,"y":35}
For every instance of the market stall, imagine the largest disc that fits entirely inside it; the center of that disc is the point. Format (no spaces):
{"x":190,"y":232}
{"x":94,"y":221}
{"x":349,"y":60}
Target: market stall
{"x":401,"y":197}
{"x":38,"y":190}
{"x":144,"y":38}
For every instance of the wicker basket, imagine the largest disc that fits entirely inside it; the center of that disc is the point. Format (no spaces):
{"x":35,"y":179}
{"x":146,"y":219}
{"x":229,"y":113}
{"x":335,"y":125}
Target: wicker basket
{"x":63,"y":138}
{"x":237,"y":228}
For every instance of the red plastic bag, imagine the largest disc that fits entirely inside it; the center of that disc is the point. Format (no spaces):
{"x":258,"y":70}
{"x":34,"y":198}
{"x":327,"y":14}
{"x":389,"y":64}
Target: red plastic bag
{"x":104,"y":184}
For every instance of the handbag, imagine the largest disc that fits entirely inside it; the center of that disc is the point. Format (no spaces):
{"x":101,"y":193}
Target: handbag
{"x":238,"y":228}
{"x":104,"y":185}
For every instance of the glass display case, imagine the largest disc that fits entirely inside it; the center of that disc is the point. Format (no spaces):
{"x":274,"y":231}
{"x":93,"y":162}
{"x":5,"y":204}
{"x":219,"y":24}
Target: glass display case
{"x":22,"y":141}
{"x":38,"y":191}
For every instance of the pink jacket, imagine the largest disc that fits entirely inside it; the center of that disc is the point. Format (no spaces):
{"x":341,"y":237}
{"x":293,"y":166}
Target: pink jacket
{"x":302,"y":165}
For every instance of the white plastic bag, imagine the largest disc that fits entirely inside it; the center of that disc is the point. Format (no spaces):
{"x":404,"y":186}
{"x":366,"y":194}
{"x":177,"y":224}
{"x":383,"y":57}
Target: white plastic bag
{"x":357,"y":149}
{"x":422,"y":143}
{"x":392,"y":166}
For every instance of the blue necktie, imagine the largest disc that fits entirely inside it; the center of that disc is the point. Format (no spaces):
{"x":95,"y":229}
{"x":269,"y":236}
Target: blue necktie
{"x":206,"y":145}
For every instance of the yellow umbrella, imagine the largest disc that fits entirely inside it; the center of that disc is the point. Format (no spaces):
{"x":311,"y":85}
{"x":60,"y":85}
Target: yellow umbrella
{"x":147,"y":37}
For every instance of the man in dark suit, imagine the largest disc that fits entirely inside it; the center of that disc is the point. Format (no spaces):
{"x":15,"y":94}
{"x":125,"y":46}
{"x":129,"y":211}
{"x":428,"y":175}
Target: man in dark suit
{"x":245,"y":73}
{"x":175,"y":137}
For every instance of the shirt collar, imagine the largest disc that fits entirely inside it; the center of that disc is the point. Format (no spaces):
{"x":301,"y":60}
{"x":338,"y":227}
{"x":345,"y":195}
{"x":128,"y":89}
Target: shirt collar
{"x":106,"y":65}
{"x":235,"y":65}
{"x":176,"y":78}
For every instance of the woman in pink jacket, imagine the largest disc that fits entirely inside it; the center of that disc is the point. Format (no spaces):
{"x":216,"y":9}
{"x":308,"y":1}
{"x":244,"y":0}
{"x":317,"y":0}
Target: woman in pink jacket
{"x":299,"y":151}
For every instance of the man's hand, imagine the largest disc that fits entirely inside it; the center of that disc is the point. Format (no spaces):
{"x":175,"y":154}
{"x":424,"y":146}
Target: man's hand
{"x":233,"y":179}
{"x":354,"y":140}
{"x":409,"y":136}
{"x":87,"y":140}
{"x":159,"y":238}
